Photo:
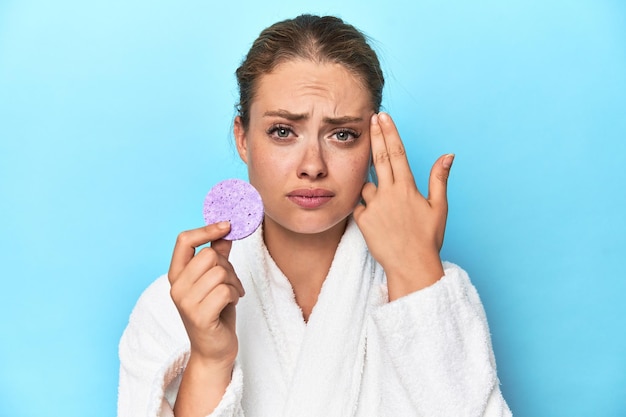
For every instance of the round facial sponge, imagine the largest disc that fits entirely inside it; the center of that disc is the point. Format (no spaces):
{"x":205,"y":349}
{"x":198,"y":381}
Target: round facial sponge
{"x":236,"y":201}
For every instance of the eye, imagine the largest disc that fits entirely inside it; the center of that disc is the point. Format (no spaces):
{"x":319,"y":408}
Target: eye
{"x":280,"y":132}
{"x":346,"y":135}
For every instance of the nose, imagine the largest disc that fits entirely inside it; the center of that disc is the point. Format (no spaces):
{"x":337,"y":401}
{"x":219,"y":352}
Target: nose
{"x":313,"y":163}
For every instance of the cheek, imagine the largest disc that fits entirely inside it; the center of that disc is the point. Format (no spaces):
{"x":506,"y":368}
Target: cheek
{"x":362,"y":168}
{"x":354,"y":169}
{"x":264,"y":165}
{"x":362,"y":163}
{"x":363,"y":158}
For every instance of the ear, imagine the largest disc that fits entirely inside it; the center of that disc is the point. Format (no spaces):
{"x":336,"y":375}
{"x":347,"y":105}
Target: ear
{"x":240,"y":139}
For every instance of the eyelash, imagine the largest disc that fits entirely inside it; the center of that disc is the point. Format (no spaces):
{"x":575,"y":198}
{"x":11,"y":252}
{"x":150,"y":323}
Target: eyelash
{"x":288,"y":130}
{"x":355,"y":135}
{"x":275,"y":128}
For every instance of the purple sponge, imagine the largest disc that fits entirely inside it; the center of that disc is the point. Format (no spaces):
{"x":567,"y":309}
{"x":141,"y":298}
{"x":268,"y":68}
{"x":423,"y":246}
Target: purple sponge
{"x":238,"y":202}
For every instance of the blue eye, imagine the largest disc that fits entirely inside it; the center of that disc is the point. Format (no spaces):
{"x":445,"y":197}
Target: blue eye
{"x":280,"y":132}
{"x":346,"y":135}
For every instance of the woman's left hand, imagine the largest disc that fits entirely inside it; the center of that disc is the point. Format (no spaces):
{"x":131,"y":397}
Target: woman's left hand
{"x":403,"y":229}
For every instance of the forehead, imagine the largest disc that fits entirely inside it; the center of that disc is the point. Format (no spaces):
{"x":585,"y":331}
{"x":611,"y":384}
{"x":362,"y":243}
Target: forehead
{"x":303,"y":83}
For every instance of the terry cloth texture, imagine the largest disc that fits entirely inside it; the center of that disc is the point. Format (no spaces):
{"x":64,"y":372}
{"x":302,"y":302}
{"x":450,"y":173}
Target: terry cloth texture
{"x":426,"y":354}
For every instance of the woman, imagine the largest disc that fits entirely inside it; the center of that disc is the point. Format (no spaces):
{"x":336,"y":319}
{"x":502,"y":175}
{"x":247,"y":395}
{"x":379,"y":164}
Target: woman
{"x":348,"y":309}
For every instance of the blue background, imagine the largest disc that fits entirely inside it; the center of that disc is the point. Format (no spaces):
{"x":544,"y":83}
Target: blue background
{"x":115,"y":120}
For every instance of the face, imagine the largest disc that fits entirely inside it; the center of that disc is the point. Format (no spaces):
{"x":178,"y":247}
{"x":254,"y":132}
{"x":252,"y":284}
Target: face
{"x":307,"y":145}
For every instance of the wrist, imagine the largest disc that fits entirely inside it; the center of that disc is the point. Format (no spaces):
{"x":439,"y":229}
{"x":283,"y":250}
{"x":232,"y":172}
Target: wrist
{"x":202,"y":387}
{"x":422,"y":271}
{"x":210,"y":366}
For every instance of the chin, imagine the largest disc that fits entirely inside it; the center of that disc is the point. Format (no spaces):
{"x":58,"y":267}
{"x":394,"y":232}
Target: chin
{"x":310,"y":224}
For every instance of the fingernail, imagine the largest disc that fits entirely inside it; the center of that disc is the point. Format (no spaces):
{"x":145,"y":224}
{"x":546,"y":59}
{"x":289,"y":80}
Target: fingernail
{"x":447,"y":161}
{"x":223,"y":225}
{"x":383,"y":116}
{"x":374,"y":119}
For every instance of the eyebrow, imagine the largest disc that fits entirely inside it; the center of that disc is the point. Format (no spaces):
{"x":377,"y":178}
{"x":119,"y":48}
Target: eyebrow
{"x":295,"y":117}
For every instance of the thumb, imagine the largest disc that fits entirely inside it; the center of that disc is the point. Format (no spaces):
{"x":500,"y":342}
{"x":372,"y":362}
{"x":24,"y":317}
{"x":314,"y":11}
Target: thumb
{"x":222,"y":247}
{"x":438,"y":181}
{"x":357,"y":212}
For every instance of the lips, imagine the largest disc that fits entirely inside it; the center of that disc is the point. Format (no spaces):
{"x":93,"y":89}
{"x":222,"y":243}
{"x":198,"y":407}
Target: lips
{"x":310,"y":198}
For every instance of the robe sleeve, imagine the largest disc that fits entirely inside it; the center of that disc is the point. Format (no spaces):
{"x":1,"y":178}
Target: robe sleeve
{"x":154,"y":351}
{"x":437,"y":345}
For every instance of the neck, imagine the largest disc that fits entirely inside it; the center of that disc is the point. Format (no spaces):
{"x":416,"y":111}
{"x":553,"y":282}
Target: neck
{"x":305,"y":259}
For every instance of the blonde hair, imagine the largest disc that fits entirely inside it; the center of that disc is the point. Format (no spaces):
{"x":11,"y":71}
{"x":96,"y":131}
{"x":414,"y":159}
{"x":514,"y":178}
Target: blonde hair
{"x":319,"y":39}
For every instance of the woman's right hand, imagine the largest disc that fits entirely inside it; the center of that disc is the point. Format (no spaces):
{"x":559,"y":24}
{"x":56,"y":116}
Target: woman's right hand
{"x":205,"y":290}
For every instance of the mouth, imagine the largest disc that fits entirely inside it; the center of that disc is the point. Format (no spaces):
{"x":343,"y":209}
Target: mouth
{"x":310,"y":198}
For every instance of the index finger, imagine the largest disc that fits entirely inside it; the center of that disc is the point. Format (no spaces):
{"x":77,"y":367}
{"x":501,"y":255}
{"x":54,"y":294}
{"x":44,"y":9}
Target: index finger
{"x":188,"y":241}
{"x":380,"y":155}
{"x":395,"y":148}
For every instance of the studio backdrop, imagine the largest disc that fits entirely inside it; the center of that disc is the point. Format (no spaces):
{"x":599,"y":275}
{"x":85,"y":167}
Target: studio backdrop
{"x":116,"y":119}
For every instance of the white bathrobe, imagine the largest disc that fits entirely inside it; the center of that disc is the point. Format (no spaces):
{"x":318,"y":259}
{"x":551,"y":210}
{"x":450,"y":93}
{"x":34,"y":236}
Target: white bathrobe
{"x":426,"y":354}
